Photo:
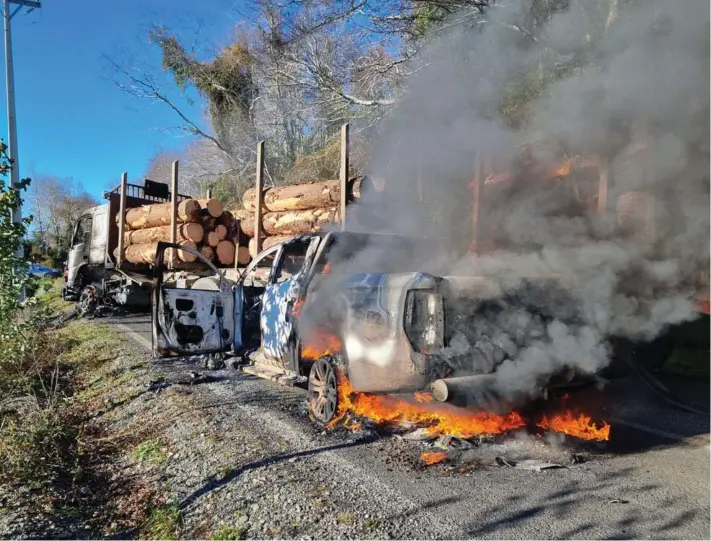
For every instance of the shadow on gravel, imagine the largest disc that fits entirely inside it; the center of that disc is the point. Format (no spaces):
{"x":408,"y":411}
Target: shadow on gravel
{"x":617,"y":514}
{"x":213,"y":483}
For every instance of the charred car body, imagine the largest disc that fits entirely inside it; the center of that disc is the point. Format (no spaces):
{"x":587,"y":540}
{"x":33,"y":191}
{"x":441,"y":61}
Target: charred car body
{"x":316,"y":302}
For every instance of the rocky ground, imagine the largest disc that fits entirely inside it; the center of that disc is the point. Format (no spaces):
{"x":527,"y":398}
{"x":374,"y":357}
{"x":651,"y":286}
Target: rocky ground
{"x":184,"y":452}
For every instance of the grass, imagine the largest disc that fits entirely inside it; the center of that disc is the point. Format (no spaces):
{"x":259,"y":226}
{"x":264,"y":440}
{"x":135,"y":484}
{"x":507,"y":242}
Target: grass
{"x":345,"y":518}
{"x":44,"y":443}
{"x":226,"y":532}
{"x":150,"y":451}
{"x":162,"y":522}
{"x":49,"y":291}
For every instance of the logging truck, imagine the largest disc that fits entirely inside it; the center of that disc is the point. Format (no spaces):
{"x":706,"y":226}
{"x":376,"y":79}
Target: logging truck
{"x":93,"y":272}
{"x":114,"y":245}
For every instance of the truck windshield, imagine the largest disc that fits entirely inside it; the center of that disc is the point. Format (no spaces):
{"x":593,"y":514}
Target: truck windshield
{"x":376,"y":253}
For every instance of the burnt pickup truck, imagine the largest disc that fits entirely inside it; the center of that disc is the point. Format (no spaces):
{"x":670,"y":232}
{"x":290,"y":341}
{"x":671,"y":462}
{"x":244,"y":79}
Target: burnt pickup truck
{"x":307,"y":305}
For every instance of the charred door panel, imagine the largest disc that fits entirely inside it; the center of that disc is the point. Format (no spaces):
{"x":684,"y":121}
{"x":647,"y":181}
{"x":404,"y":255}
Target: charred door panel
{"x":192,"y":321}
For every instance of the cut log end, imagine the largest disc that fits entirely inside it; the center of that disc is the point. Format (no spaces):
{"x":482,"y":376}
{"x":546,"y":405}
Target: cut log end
{"x":243,"y":255}
{"x":213,"y":207}
{"x":225,"y":252}
{"x":211,"y":239}
{"x":221,"y":232}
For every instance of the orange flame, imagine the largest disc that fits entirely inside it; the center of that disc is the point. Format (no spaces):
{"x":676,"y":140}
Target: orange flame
{"x":423,"y":397}
{"x":433,"y":457}
{"x":320,"y":344}
{"x":438,"y":419}
{"x":327,"y":268}
{"x":581,"y":427}
{"x":298,"y":305}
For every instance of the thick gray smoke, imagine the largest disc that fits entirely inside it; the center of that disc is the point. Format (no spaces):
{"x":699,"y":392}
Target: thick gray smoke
{"x":626,"y":82}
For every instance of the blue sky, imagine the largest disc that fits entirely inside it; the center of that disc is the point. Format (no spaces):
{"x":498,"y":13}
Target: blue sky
{"x":71,"y":121}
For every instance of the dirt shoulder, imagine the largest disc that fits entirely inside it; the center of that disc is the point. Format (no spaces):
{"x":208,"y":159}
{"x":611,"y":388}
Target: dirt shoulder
{"x":164,"y":450}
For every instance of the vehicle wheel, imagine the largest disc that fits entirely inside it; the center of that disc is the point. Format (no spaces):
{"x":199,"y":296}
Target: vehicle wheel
{"x":323,"y":391}
{"x":88,"y":299}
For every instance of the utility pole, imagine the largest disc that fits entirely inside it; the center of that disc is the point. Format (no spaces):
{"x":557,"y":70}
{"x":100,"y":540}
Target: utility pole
{"x":10,"y":82}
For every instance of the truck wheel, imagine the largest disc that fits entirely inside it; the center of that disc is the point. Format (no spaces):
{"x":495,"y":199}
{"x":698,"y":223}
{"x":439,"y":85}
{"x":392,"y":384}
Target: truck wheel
{"x":323,"y":392}
{"x":88,"y":299}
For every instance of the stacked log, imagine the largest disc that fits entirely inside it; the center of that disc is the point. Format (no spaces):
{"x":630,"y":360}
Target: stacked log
{"x":306,"y":196}
{"x":293,"y":222}
{"x":201,"y":225}
{"x":293,"y":210}
{"x":158,"y":215}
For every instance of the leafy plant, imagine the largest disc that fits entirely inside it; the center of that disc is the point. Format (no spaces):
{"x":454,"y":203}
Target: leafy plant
{"x":18,"y":317}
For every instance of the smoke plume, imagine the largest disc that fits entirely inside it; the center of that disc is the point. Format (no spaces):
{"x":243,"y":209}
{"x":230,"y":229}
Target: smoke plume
{"x":628,"y":83}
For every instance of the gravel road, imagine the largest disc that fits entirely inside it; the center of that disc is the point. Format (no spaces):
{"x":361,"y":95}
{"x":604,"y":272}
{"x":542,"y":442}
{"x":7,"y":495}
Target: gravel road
{"x":241,"y":451}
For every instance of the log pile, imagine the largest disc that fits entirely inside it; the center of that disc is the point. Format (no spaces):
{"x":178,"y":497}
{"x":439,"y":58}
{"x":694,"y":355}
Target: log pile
{"x":202,"y":225}
{"x":294,"y":210}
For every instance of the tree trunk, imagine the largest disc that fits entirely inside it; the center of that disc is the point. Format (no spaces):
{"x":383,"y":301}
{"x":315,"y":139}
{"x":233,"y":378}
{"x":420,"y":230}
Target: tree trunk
{"x":306,"y":196}
{"x":292,"y":222}
{"x":159,"y":214}
{"x":211,"y":207}
{"x":266,"y":243}
{"x":242,"y":214}
{"x":208,"y":252}
{"x":225,"y":252}
{"x":189,"y":231}
{"x":146,"y":253}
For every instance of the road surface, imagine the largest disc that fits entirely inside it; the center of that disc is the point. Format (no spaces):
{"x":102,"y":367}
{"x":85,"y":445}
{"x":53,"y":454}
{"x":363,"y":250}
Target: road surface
{"x":650,"y":481}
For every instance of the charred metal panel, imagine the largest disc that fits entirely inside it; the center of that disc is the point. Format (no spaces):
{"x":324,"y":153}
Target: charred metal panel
{"x":99,"y":235}
{"x":380,"y":356}
{"x":191,"y":321}
{"x":196,"y":321}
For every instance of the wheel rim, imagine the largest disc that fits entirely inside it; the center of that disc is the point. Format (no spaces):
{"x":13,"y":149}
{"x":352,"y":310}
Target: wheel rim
{"x":323,"y":391}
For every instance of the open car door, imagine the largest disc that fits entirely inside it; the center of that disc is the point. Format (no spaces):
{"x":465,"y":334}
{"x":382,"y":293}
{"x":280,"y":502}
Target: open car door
{"x":191,"y":318}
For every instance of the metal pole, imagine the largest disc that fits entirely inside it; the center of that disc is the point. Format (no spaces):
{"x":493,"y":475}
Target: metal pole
{"x":122,"y":220}
{"x":173,"y":211}
{"x":345,"y":165}
{"x":259,"y":187}
{"x":11,"y":123}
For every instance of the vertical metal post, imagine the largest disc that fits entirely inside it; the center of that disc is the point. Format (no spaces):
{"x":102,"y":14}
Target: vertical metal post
{"x":11,"y":121}
{"x":476,"y":197}
{"x":122,"y":219}
{"x":260,"y":196}
{"x":173,"y":209}
{"x":603,"y":185}
{"x":344,"y":173}
{"x":209,"y":193}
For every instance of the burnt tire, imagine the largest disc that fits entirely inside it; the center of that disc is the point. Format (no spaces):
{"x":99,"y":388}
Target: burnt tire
{"x":88,"y":300}
{"x":323,"y":391}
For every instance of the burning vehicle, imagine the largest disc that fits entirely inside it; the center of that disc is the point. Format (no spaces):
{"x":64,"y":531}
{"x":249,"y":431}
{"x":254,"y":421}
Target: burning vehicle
{"x":314,"y":308}
{"x":368,"y":315}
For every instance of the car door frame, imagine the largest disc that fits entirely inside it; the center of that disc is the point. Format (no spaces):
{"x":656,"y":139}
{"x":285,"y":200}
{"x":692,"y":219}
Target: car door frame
{"x":285,"y":326}
{"x":239,"y":293}
{"x":225,"y":317}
